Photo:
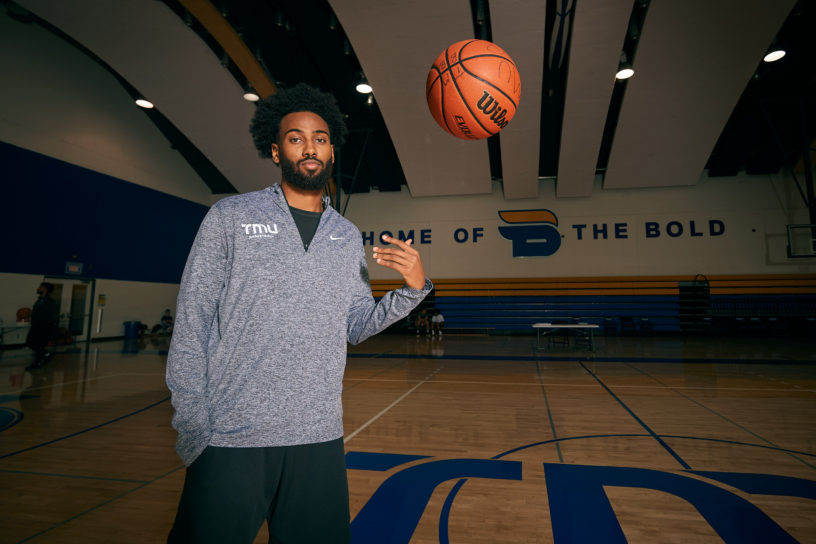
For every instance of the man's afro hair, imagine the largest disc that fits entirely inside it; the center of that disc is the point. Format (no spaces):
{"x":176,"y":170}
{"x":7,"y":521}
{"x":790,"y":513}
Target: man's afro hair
{"x":266,"y":122}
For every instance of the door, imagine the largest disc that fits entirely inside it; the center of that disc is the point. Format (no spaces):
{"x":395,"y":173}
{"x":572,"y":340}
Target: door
{"x":73,"y":295}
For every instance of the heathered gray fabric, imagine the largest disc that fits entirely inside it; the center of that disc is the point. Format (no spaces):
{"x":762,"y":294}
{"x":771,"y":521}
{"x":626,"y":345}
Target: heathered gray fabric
{"x":259,"y":342}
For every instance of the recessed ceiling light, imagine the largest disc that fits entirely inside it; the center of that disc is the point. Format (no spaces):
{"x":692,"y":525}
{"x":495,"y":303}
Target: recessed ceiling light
{"x":774,"y":55}
{"x":144,"y":103}
{"x":624,"y":73}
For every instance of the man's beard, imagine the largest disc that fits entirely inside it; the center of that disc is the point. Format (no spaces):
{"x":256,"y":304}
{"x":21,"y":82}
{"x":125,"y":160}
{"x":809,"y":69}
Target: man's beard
{"x":313,"y":182}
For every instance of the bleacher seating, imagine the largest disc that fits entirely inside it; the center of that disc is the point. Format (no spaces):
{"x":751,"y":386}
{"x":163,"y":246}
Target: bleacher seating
{"x":768,"y":305}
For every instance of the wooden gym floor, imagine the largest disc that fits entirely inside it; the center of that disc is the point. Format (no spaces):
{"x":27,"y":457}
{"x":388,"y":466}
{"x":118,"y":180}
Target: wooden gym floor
{"x":460,"y":439}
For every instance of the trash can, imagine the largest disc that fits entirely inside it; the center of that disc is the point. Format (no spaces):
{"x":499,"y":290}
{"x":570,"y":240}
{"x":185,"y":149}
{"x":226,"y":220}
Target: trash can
{"x":132,"y":329}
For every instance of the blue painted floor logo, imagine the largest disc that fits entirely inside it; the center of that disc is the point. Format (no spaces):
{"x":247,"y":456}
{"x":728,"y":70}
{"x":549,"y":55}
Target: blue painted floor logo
{"x":580,"y":510}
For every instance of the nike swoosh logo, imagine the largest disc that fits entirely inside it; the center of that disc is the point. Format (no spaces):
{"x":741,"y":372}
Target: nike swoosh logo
{"x":332,"y":237}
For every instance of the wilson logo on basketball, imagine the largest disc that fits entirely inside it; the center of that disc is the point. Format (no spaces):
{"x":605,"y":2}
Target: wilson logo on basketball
{"x":490,"y":106}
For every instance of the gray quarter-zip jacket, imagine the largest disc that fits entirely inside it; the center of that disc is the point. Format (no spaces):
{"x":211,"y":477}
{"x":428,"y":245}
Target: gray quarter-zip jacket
{"x":259,"y":342}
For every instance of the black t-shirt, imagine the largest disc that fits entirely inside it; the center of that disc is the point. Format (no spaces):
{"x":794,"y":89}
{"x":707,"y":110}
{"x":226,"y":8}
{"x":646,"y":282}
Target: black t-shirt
{"x":306,"y":223}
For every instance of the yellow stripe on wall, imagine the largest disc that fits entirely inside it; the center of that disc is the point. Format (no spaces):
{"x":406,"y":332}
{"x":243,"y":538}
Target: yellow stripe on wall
{"x":623,"y":285}
{"x":528,"y":216}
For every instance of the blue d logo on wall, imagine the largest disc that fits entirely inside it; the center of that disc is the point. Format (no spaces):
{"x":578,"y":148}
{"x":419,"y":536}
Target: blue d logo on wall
{"x":534,"y":233}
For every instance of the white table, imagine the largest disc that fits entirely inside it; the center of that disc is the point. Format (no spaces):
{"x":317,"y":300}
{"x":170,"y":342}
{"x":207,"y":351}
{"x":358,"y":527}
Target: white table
{"x":550,"y":327}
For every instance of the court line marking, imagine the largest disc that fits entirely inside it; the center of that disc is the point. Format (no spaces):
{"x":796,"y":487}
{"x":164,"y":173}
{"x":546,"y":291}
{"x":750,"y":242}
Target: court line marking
{"x":739,"y":426}
{"x":640,"y":421}
{"x":560,"y":384}
{"x":77,"y":433}
{"x":382,"y":412}
{"x":447,"y":505}
{"x":385,"y":369}
{"x":596,"y":359}
{"x":549,"y":415}
{"x":86,"y":380}
{"x":75,"y":476}
{"x":21,"y":353}
{"x":100,"y":505}
{"x":641,"y":435}
{"x":349,"y":378}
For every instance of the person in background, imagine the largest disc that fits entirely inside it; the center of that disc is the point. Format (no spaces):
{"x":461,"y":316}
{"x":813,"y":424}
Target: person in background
{"x":165,"y":324}
{"x":275,"y":286}
{"x":423,"y":322}
{"x":437,"y":322}
{"x":44,"y":322}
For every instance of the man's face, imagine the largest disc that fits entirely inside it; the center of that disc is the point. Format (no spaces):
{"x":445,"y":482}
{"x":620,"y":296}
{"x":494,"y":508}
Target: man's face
{"x":304,"y":151}
{"x":42,"y":291}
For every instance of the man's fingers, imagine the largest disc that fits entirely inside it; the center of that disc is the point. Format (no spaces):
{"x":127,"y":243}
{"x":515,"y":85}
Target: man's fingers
{"x":394,"y":258}
{"x":405,"y":246}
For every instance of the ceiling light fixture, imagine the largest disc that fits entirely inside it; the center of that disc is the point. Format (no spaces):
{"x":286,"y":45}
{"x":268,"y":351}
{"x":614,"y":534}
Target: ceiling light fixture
{"x":625,"y":70}
{"x":363,"y":87}
{"x":144,"y":103}
{"x":774,"y":55}
{"x":250,"y":95}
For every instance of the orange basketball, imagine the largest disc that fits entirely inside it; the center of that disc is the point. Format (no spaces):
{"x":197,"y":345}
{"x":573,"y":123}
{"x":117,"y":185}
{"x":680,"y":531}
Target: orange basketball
{"x":473,"y":89}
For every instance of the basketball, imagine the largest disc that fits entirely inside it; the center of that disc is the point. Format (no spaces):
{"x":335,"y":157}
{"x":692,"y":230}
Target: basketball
{"x":473,"y":89}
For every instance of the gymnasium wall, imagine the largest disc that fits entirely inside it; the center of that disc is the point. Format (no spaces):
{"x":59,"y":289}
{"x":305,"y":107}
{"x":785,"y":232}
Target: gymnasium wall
{"x":705,"y":259}
{"x":56,"y":101}
{"x":124,"y":301}
{"x":86,"y":177}
{"x":734,"y":225}
{"x":134,"y":240}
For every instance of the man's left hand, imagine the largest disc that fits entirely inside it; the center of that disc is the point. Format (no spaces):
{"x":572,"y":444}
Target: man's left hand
{"x":404,"y":259}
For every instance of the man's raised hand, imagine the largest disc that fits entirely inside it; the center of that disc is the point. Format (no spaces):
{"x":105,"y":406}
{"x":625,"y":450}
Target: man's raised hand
{"x":402,"y":258}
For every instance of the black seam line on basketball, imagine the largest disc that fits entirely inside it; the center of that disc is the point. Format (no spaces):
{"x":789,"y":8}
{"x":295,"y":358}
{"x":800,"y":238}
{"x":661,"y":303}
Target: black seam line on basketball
{"x":475,"y":76}
{"x":459,"y":91}
{"x":442,"y":97}
{"x":460,"y":61}
{"x":467,"y":106}
{"x":640,"y":421}
{"x":484,"y":55}
{"x":100,"y":505}
{"x":465,"y":102}
{"x":438,"y":78}
{"x":114,"y":420}
{"x":480,"y":55}
{"x":486,"y":82}
{"x":549,"y":412}
{"x":701,"y":405}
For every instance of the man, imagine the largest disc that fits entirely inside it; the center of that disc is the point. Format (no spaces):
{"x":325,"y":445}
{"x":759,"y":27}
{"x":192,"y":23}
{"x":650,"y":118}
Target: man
{"x":44,"y":322}
{"x":275,"y":286}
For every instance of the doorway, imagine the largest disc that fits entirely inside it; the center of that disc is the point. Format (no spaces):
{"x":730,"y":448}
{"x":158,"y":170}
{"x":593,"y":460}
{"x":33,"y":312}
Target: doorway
{"x":73,"y":297}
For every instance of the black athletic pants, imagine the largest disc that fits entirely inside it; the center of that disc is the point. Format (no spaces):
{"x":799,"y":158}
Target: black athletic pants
{"x":301,"y":492}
